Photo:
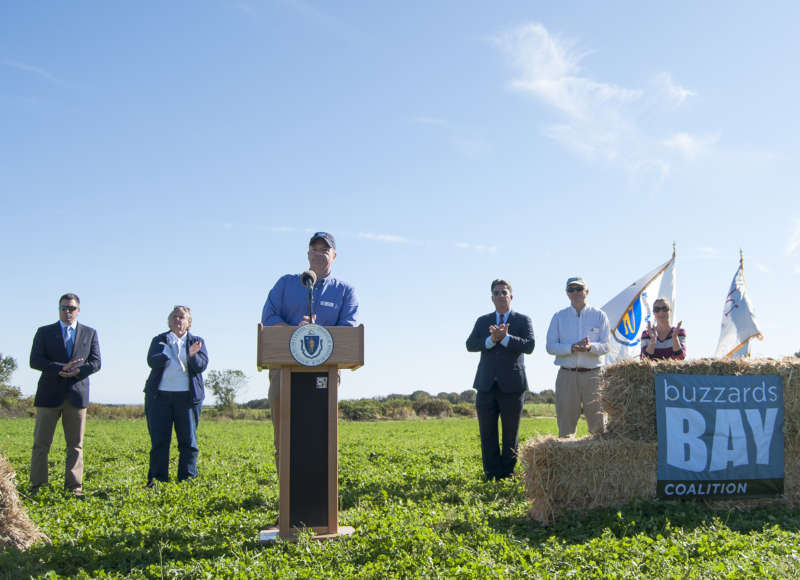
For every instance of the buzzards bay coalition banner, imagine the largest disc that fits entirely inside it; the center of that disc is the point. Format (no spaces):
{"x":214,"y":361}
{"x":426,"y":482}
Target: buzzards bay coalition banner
{"x":719,"y":436}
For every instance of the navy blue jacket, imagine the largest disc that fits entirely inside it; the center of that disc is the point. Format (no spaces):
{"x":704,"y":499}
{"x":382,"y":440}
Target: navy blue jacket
{"x":504,"y":364}
{"x":157,"y":361}
{"x":49,"y":355}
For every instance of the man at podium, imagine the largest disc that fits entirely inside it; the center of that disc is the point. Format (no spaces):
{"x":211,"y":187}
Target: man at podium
{"x":334,"y":304}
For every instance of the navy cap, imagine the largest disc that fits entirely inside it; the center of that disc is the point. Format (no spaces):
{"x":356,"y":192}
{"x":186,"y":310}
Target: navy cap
{"x":326,"y":237}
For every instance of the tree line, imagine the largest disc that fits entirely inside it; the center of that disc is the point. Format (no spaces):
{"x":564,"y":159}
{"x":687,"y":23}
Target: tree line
{"x":226,"y":385}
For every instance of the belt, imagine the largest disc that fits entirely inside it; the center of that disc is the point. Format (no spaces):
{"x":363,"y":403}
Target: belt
{"x":580,"y":369}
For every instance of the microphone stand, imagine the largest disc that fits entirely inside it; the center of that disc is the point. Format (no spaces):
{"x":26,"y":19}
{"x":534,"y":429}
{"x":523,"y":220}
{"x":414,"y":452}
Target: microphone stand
{"x":309,"y":278}
{"x":310,"y":304}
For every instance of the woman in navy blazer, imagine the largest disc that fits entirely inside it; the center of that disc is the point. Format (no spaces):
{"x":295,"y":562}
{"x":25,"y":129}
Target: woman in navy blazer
{"x":174,"y":395}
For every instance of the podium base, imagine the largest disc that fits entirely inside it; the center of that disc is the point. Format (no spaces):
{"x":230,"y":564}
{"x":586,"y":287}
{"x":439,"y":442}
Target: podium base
{"x":273,"y":534}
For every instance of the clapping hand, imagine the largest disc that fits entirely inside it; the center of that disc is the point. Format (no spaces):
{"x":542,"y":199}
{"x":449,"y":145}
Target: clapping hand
{"x":582,"y":345}
{"x":70,"y":369}
{"x":676,"y":341}
{"x":195,"y":347}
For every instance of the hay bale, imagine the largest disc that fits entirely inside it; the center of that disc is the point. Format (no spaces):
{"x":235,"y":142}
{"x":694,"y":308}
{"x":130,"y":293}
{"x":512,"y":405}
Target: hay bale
{"x":621,"y":465}
{"x":627,"y":390}
{"x":592,"y":472}
{"x":16,"y":528}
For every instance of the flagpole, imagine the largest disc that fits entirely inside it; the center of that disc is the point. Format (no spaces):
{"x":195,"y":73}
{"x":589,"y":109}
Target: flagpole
{"x":741,"y":264}
{"x":758,"y":335}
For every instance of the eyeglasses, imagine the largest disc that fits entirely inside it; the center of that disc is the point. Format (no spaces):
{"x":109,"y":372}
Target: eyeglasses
{"x":575,"y":289}
{"x":660,"y":308}
{"x":500,"y":292}
{"x":64,"y":308}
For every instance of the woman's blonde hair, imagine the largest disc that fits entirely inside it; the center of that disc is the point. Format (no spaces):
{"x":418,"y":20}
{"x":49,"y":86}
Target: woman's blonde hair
{"x":184,"y":309}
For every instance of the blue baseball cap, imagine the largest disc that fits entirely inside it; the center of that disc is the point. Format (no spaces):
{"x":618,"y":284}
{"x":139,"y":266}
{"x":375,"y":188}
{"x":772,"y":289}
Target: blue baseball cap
{"x":324,"y":236}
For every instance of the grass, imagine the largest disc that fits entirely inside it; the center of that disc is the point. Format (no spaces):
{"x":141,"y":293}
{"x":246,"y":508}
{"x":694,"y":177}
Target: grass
{"x":413,"y":491}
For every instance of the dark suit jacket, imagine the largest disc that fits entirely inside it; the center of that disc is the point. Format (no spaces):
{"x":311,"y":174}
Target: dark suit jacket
{"x":49,"y":355}
{"x":196,"y":364}
{"x":500,"y":363}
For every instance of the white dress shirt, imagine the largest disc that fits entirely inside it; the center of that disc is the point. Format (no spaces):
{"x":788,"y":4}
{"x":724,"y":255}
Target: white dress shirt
{"x":176,"y":375}
{"x":569,"y":326}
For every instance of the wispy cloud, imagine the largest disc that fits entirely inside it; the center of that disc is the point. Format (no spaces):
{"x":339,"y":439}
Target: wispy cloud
{"x":601,"y":121}
{"x":34,"y":70}
{"x":691,"y":146}
{"x":480,"y":248}
{"x":673,"y":91}
{"x":793,"y":241}
{"x":549,"y":68}
{"x":761,"y":267}
{"x":388,"y":238}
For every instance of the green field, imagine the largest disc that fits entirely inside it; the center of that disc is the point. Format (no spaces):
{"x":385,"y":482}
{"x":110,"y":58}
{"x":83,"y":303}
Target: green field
{"x":412,"y":490}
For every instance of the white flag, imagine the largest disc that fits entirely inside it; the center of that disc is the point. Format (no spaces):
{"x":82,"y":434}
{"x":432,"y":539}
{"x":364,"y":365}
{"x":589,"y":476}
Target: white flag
{"x":738,"y":320}
{"x":630,"y":310}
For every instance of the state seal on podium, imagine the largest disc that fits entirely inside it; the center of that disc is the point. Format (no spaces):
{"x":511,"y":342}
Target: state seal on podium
{"x":311,"y":345}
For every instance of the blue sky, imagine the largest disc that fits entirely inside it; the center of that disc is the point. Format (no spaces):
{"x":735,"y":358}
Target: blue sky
{"x":154,"y":154}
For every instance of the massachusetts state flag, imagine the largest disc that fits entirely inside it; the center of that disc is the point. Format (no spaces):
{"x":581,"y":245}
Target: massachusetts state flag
{"x":738,"y":320}
{"x":630,"y":310}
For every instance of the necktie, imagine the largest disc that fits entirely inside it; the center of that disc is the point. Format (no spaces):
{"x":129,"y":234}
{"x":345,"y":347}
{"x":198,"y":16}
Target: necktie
{"x":69,"y":341}
{"x":499,"y":319}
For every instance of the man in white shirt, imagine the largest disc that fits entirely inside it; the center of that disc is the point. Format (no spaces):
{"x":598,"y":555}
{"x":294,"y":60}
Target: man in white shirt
{"x":578,"y":337}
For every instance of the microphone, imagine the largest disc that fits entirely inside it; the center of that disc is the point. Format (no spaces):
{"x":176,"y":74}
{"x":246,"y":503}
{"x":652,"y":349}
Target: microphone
{"x":309,"y":278}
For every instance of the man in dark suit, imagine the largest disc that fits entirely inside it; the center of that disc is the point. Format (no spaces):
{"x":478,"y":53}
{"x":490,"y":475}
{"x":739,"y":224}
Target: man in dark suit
{"x":502,"y":337}
{"x":67,"y":353}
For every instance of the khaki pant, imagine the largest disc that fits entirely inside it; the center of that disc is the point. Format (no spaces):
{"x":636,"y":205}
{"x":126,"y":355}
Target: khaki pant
{"x":574,"y":389}
{"x":274,"y":396}
{"x":73,"y":421}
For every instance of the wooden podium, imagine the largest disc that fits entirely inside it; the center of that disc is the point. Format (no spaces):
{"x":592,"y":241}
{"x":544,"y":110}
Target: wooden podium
{"x":309,"y":430}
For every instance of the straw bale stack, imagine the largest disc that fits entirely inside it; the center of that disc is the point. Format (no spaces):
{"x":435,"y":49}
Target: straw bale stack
{"x":16,"y":528}
{"x":620,"y":466}
{"x":627,"y":392}
{"x":586,"y":473}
